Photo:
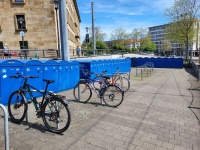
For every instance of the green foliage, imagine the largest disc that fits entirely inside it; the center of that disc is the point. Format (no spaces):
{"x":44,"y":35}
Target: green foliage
{"x":146,"y":44}
{"x":101,"y":45}
{"x":166,"y":46}
{"x":118,"y":46}
{"x":175,"y":33}
{"x":134,"y":49}
{"x":127,"y":48}
{"x":183,"y":16}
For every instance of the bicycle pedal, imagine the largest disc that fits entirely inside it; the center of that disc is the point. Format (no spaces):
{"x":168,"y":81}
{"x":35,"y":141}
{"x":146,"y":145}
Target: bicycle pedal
{"x":39,"y":113}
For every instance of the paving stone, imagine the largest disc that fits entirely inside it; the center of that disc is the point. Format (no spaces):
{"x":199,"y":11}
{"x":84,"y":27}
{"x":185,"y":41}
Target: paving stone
{"x":159,"y":148}
{"x":154,"y":117}
{"x":148,"y":146}
{"x":168,"y":145}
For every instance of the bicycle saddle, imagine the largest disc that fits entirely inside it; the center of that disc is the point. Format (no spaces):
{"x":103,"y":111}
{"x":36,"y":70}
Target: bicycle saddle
{"x":48,"y":81}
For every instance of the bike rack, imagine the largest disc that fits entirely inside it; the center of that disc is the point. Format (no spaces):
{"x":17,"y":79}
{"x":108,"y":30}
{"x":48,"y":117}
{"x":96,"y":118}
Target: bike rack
{"x":5,"y":127}
{"x":142,"y":69}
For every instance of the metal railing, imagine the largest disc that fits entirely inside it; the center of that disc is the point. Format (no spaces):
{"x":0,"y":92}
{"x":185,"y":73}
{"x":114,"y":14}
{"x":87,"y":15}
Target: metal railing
{"x":30,"y":53}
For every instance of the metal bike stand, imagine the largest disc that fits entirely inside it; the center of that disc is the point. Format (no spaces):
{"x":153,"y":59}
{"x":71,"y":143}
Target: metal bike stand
{"x":26,"y":116}
{"x":141,"y":73}
{"x":78,"y":93}
{"x":129,"y":74}
{"x":5,"y":127}
{"x":99,"y":96}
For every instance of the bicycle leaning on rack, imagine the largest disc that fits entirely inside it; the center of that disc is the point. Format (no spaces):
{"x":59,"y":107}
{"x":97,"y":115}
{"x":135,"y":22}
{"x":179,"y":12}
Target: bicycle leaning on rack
{"x":112,"y":95}
{"x":53,"y":108}
{"x":116,"y":79}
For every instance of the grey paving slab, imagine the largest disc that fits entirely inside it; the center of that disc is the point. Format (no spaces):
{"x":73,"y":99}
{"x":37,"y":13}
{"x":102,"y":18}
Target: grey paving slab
{"x":154,"y":116}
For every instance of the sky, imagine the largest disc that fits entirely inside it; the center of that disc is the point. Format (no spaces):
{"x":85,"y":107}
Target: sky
{"x":128,"y":14}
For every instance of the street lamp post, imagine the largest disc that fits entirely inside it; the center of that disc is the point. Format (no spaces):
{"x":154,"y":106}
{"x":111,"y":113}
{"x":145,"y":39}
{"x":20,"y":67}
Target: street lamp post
{"x":55,"y":2}
{"x":87,"y":39}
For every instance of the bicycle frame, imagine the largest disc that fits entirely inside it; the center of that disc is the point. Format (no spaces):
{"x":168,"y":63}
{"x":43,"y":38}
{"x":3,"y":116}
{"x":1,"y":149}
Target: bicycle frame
{"x":29,"y":88}
{"x":90,"y":81}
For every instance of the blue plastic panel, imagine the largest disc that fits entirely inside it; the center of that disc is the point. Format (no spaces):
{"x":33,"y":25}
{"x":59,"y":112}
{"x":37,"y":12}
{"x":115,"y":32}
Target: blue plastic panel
{"x":9,"y":68}
{"x":63,"y":75}
{"x":51,"y":73}
{"x":74,"y":73}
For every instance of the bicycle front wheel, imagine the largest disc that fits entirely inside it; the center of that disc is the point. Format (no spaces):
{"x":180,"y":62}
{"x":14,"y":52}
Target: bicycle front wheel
{"x":84,"y":90}
{"x":56,"y":115}
{"x":123,"y":83}
{"x":113,"y":96}
{"x":17,"y":107}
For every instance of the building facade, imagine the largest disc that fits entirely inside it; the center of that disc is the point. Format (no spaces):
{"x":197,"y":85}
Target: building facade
{"x":38,"y":20}
{"x":157,"y":34}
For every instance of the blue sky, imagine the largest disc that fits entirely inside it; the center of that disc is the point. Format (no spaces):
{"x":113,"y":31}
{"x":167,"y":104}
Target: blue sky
{"x":128,"y":14}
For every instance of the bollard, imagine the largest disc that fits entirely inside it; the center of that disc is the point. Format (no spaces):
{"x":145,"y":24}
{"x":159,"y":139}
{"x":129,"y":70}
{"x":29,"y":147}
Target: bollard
{"x":198,"y":76}
{"x":5,"y":127}
{"x":78,"y":93}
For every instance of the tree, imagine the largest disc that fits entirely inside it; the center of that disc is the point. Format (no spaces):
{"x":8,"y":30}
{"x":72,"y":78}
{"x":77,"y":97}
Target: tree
{"x":101,"y":45}
{"x":119,"y":34}
{"x":118,"y":46}
{"x":99,"y":34}
{"x":138,"y":33}
{"x":166,"y":46}
{"x":183,"y":16}
{"x":146,"y":44}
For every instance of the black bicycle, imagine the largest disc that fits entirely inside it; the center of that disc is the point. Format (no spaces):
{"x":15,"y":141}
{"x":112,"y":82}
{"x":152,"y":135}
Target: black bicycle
{"x":111,"y":94}
{"x":53,"y":108}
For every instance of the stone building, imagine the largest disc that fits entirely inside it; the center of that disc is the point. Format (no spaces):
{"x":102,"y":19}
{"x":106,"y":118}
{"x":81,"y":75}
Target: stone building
{"x":38,"y":20}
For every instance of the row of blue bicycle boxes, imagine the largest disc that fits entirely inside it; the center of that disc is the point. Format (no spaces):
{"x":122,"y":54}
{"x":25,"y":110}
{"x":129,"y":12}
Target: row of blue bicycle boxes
{"x":66,"y":74}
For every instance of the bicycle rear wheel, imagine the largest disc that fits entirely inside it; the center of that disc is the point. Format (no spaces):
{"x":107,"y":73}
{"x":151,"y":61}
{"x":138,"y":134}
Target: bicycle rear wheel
{"x":123,"y":83}
{"x":113,"y":96}
{"x":56,"y":115}
{"x":85,"y":92}
{"x":17,"y":107}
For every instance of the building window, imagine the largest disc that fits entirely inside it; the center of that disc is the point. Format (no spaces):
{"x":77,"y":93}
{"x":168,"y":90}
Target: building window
{"x":18,"y":1}
{"x":23,"y":44}
{"x":1,"y":45}
{"x":20,"y":22}
{"x":77,"y":36}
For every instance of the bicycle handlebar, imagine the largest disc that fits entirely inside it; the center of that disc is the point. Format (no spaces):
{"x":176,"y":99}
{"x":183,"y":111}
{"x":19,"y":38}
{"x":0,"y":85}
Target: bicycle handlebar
{"x":25,"y":77}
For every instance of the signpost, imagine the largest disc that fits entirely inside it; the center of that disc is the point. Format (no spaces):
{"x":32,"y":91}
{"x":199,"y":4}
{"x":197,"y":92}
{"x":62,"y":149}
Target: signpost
{"x":22,"y":33}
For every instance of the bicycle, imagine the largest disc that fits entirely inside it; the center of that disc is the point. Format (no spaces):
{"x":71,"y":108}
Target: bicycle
{"x":112,"y":95}
{"x":117,"y":79}
{"x":53,"y":108}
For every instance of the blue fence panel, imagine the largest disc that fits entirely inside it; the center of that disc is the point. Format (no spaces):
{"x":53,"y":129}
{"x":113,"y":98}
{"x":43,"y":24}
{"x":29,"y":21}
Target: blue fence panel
{"x":179,"y":62}
{"x":133,"y":62}
{"x":139,"y":61}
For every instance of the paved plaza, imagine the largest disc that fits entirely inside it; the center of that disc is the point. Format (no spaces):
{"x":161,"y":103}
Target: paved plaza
{"x":153,"y":116}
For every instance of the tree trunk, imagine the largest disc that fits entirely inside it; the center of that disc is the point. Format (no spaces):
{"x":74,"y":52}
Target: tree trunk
{"x":186,"y":47}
